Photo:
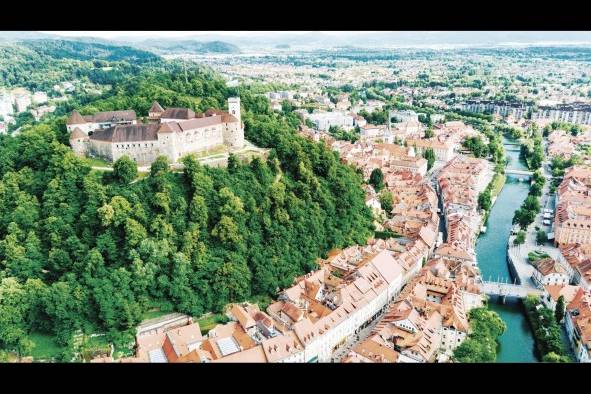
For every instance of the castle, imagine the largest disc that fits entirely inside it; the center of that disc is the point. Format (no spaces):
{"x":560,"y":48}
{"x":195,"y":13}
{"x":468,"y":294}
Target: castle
{"x":174,"y":133}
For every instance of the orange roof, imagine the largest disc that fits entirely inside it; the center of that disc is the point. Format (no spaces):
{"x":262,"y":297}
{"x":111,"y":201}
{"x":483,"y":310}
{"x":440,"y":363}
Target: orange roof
{"x":77,"y":133}
{"x":76,"y":118}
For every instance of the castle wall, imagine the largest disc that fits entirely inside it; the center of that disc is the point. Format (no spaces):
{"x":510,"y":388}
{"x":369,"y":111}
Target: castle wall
{"x":198,"y":140}
{"x":143,"y":152}
{"x":101,"y":149}
{"x":233,"y":135}
{"x":85,"y":127}
{"x":79,"y":146}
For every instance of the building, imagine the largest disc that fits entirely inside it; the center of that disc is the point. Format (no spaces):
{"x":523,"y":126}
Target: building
{"x":443,"y":150}
{"x":326,"y":307}
{"x":548,"y":272}
{"x":578,"y":325}
{"x":502,"y":108}
{"x":553,"y":292}
{"x":402,"y":116}
{"x":99,"y":121}
{"x":6,"y":105}
{"x":324,"y":120}
{"x":39,"y":98}
{"x":22,"y":101}
{"x":578,"y":113}
{"x":572,"y":221}
{"x":174,"y":133}
{"x":428,"y":320}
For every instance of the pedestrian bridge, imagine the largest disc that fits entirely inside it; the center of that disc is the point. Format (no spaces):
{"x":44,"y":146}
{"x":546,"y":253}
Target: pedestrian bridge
{"x":509,"y":289}
{"x":518,"y":172}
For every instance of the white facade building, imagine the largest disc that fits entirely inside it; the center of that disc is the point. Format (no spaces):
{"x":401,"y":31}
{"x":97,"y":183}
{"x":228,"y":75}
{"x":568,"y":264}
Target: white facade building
{"x":23,"y":102}
{"x":173,"y":133}
{"x":39,"y":98}
{"x":324,"y":120}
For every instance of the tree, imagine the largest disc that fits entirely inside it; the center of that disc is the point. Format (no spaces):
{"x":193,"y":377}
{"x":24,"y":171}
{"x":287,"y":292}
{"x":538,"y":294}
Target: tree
{"x":125,"y":170}
{"x":559,"y":310}
{"x":233,"y":162}
{"x":429,"y":155}
{"x":541,"y":237}
{"x":552,"y":357}
{"x":484,"y":200}
{"x":376,"y":179}
{"x":519,"y":238}
{"x":481,"y":345}
{"x":429,"y":133}
{"x":159,"y":166}
{"x":105,"y":249}
{"x":13,"y":312}
{"x":385,"y":198}
{"x":535,"y":189}
{"x":476,"y":145}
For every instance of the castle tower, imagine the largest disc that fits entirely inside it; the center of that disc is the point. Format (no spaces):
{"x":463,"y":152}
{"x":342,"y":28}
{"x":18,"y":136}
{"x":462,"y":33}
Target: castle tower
{"x":79,"y":142}
{"x":233,"y":130}
{"x":234,"y":108}
{"x":75,"y":121}
{"x":155,"y":111}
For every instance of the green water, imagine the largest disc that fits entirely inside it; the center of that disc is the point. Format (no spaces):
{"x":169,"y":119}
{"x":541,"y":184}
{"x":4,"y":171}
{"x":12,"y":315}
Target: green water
{"x":517,"y":343}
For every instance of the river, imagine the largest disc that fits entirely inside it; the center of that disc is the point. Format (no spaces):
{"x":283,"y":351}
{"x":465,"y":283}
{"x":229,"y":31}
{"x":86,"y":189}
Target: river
{"x":517,"y":343}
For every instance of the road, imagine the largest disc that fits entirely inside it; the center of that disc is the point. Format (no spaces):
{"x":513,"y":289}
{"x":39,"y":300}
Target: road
{"x":354,"y":340}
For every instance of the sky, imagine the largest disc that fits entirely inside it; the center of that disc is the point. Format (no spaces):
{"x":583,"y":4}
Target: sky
{"x":177,"y":34}
{"x":336,"y":38}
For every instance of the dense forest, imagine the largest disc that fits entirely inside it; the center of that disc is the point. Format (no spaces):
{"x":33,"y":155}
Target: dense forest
{"x":89,"y":51}
{"x":92,"y":251}
{"x":40,"y":64}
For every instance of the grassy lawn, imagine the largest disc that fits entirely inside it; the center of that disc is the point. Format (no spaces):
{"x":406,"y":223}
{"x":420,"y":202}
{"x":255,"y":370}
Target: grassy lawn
{"x":45,"y":346}
{"x":96,"y":162}
{"x":121,"y":352}
{"x":214,"y":151}
{"x":497,"y":184}
{"x":536,"y":255}
{"x":95,"y":346}
{"x":152,"y":314}
{"x":208,"y":322}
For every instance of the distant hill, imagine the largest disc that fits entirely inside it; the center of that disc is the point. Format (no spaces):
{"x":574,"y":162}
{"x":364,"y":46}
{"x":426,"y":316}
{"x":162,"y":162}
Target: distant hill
{"x":89,"y":51}
{"x":12,"y":36}
{"x":191,"y":46}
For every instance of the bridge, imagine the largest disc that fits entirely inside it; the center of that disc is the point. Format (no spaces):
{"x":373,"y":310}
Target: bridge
{"x":509,"y":289}
{"x":518,"y":172}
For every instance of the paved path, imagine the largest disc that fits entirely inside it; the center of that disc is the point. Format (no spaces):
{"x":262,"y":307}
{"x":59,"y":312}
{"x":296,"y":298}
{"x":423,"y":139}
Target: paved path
{"x":519,"y":254}
{"x":354,"y":340}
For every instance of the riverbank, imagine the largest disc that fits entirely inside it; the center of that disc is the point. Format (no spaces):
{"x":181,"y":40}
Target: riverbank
{"x":517,"y":343}
{"x":547,"y":332}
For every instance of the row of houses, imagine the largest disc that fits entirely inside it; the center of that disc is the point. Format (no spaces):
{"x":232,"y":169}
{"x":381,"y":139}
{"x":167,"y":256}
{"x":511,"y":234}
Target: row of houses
{"x":564,"y":145}
{"x":428,"y":320}
{"x":368,"y":156}
{"x":459,"y":183}
{"x":323,"y":309}
{"x":578,"y":112}
{"x":572,"y":221}
{"x":572,"y":234}
{"x":577,"y":319}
